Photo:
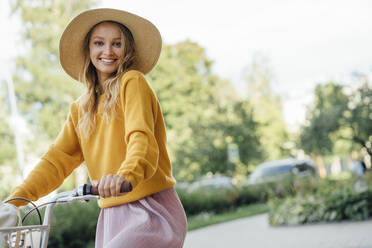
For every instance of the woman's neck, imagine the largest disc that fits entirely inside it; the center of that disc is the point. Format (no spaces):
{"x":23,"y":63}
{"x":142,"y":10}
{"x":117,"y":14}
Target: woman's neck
{"x":99,"y":89}
{"x":102,"y":77}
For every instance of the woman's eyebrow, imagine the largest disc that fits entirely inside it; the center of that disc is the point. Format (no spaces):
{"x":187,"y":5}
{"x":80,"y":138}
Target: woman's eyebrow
{"x":97,"y":37}
{"x":100,"y":37}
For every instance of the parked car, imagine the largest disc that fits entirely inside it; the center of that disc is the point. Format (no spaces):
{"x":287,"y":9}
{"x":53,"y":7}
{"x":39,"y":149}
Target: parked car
{"x":279,"y":169}
{"x":214,"y":182}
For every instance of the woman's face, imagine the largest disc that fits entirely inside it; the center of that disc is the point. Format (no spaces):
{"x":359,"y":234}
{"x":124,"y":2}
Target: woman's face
{"x":106,"y":50}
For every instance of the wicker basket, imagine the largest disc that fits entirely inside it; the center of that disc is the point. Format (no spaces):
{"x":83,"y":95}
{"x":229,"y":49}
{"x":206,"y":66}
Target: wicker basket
{"x":31,"y":236}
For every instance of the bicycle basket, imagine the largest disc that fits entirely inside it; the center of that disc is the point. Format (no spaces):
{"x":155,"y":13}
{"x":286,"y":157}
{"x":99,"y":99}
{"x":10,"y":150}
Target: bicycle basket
{"x":31,"y":236}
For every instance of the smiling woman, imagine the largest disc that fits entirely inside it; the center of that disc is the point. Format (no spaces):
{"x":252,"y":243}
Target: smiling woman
{"x":106,"y":50}
{"x":108,"y":42}
{"x":109,"y":50}
{"x":117,"y":128}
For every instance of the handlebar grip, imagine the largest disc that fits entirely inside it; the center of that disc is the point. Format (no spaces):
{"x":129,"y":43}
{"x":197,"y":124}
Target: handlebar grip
{"x":93,"y":190}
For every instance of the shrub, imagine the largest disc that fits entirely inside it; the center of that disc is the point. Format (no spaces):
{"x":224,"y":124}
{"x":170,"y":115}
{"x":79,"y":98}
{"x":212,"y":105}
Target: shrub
{"x":73,"y":225}
{"x":252,"y":194}
{"x":207,"y":199}
{"x":325,"y":200}
{"x":262,"y":192}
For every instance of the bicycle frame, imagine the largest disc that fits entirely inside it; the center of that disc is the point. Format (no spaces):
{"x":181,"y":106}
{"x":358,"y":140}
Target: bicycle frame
{"x":63,"y":197}
{"x":44,"y":229}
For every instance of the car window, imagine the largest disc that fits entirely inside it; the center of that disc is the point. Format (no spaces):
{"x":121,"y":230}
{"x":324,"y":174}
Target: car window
{"x":303,"y":167}
{"x":271,"y":171}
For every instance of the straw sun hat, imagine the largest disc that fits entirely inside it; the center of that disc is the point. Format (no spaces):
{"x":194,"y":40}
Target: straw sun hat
{"x":147,"y":39}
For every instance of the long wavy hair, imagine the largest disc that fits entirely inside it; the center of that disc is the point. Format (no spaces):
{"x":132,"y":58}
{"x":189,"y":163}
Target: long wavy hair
{"x":89,"y":100}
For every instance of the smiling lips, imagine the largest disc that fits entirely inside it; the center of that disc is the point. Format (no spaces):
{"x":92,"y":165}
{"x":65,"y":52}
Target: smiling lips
{"x":107,"y":60}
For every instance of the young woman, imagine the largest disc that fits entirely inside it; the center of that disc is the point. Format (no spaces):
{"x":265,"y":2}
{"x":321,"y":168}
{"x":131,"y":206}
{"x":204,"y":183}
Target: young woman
{"x":117,"y":128}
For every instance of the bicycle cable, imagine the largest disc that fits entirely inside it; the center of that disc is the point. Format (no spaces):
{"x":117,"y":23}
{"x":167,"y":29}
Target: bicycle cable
{"x":40,"y":206}
{"x":27,"y":200}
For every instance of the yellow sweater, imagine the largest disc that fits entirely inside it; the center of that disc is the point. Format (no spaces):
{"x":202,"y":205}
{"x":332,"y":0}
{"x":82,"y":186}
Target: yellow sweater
{"x":132,"y":144}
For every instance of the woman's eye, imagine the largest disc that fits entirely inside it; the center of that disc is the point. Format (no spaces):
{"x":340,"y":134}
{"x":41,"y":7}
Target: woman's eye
{"x":117,"y":44}
{"x":98,"y":43}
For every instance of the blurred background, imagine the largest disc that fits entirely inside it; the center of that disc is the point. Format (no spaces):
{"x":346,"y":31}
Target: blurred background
{"x":255,"y":94}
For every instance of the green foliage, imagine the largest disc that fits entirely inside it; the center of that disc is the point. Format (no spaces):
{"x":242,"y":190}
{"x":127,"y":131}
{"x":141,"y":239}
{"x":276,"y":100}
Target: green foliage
{"x":252,"y":194}
{"x":8,"y":178}
{"x":208,"y":199}
{"x":216,"y":199}
{"x":8,"y":168}
{"x":337,"y":119}
{"x":267,"y":109}
{"x":7,"y":147}
{"x":73,"y":225}
{"x":323,"y":119}
{"x":43,"y":90}
{"x":202,"y":113}
{"x":359,"y":116}
{"x":327,"y":200}
{"x":262,"y":192}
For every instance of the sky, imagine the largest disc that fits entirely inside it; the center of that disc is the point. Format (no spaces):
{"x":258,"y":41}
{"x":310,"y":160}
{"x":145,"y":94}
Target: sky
{"x":306,"y":41}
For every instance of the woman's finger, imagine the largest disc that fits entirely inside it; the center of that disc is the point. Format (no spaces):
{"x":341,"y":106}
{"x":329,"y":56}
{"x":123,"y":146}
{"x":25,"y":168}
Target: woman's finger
{"x":113,"y":186}
{"x":106,"y":188}
{"x":101,"y":186}
{"x":119,"y":182}
{"x":110,"y":185}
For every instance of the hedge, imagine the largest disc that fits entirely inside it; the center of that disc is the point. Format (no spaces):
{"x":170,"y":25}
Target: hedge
{"x":329,"y":200}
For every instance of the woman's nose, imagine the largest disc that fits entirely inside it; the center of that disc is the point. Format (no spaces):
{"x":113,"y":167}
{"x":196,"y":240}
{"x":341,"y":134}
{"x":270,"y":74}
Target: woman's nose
{"x":108,"y":49}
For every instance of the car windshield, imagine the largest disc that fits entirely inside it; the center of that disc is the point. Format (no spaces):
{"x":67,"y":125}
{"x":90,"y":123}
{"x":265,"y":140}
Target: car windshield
{"x":271,"y":171}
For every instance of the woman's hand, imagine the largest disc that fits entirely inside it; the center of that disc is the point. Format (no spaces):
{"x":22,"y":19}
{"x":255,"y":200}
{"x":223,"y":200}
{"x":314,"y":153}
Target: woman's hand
{"x":110,"y":185}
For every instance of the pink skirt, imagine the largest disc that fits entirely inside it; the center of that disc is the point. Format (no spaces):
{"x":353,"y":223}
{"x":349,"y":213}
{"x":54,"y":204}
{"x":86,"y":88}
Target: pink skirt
{"x":155,"y":221}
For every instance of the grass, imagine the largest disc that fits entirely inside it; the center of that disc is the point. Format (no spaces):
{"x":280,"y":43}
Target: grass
{"x":207,"y":219}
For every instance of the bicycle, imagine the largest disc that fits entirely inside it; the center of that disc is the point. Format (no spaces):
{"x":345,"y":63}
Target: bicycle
{"x":36,"y":236}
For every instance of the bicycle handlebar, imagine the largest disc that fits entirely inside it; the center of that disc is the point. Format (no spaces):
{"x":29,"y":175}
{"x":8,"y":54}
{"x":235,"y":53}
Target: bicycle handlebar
{"x":87,"y":189}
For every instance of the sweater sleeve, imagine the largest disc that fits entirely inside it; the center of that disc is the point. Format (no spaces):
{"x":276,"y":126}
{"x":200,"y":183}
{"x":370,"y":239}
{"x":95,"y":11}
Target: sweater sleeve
{"x":140,"y":110}
{"x":55,"y":165}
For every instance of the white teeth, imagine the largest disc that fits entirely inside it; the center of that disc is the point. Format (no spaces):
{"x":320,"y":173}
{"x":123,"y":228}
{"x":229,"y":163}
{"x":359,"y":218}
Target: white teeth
{"x":107,"y":60}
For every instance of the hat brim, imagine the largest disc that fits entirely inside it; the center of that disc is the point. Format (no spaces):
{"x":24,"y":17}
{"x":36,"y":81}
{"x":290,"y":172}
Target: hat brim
{"x":147,"y":39}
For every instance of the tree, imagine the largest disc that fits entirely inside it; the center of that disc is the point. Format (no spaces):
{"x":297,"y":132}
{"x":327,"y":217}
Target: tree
{"x":202,"y":113}
{"x":336,"y":117}
{"x":323,"y":119}
{"x":44,"y":91}
{"x":359,"y":116}
{"x":7,"y":147}
{"x":267,"y":108}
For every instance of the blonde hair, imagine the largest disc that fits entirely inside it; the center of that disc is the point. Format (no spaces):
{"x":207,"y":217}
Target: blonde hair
{"x":89,"y":100}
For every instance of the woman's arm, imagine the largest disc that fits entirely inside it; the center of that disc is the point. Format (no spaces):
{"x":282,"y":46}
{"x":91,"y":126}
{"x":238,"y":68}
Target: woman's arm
{"x":140,"y":111}
{"x":57,"y":163}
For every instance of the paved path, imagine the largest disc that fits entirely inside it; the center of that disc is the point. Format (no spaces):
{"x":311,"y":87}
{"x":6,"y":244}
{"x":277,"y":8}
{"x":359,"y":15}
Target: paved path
{"x":255,"y":232}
